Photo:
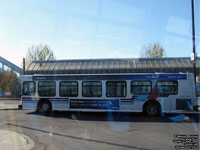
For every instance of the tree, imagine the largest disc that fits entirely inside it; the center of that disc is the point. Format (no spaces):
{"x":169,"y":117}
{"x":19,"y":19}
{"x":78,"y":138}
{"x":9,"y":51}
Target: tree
{"x":9,"y":82}
{"x":154,"y":50}
{"x":39,"y":52}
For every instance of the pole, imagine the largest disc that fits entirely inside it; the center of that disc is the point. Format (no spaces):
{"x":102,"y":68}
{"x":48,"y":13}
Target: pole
{"x":24,"y":67}
{"x":193,"y":41}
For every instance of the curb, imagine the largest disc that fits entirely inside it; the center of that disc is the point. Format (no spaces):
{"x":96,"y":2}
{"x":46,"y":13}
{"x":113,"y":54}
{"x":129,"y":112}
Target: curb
{"x":10,"y":140}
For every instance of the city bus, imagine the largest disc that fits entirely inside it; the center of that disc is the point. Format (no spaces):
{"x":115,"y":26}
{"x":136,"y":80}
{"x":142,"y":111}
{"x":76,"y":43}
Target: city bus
{"x":150,"y":93}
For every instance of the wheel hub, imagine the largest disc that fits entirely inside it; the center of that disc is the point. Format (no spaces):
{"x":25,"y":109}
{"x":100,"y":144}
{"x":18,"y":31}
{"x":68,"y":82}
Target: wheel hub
{"x":45,"y":107}
{"x":152,"y":109}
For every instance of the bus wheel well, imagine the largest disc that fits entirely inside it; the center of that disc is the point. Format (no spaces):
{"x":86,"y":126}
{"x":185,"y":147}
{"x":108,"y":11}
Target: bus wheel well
{"x":152,"y":105}
{"x":44,"y":106}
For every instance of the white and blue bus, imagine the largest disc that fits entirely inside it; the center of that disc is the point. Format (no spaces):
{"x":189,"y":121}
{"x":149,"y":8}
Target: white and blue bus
{"x":149,"y":93}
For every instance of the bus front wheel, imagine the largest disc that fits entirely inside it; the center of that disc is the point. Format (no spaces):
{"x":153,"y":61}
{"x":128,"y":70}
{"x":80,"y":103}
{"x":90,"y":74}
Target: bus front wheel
{"x":44,"y":107}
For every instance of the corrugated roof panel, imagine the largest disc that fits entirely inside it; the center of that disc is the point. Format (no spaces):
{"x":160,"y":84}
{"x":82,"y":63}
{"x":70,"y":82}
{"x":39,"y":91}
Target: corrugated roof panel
{"x":160,"y":63}
{"x":147,"y":64}
{"x":110,"y":64}
{"x":178,"y":63}
{"x":46,"y":67}
{"x":133,"y":64}
{"x":32,"y":65}
{"x":52,"y":66}
{"x":121,"y":64}
{"x":137,"y":62}
{"x":57,"y":66}
{"x":157,"y":65}
{"x":171,"y":63}
{"x":72,"y":65}
{"x":150,"y":62}
{"x":144,"y":64}
{"x":78,"y":66}
{"x":36,"y":67}
{"x":166,"y":63}
{"x":140,"y":64}
{"x":42,"y":66}
{"x":183,"y":62}
{"x":89,"y":65}
{"x":83,"y":65}
{"x":68,"y":65}
{"x":154,"y":64}
{"x":190,"y":63}
{"x":116,"y":64}
{"x":105,"y":65}
{"x":99,"y":64}
{"x":126,"y":64}
{"x":62,"y":65}
{"x":94,"y":64}
{"x":113,"y":66}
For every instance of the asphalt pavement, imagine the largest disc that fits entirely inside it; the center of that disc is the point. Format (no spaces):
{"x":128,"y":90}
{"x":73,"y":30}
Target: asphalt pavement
{"x":25,"y":129}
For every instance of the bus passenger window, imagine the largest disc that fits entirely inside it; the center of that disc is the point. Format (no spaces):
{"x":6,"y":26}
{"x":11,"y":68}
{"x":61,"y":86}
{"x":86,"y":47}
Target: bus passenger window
{"x":47,"y":88}
{"x":167,"y":87}
{"x":116,"y":89}
{"x":29,"y":88}
{"x":141,"y":87}
{"x":69,"y":88}
{"x":91,"y":89}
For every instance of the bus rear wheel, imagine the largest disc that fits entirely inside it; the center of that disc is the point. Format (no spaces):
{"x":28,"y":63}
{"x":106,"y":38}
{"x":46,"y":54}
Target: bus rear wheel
{"x":152,"y":109}
{"x":44,"y":107}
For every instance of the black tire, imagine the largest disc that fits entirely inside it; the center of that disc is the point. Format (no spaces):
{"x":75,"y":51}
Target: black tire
{"x":152,"y":109}
{"x":44,"y":107}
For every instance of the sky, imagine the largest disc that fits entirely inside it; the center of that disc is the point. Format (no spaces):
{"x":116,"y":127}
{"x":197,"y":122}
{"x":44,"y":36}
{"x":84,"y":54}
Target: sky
{"x":82,"y":29}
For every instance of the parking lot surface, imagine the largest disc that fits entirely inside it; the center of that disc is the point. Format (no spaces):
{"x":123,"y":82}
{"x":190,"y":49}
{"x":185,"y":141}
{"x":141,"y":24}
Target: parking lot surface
{"x":95,"y":131}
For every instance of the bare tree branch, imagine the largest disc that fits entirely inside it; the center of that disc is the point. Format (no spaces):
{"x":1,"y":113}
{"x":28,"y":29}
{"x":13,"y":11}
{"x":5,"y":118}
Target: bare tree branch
{"x":39,"y":52}
{"x":154,"y":50}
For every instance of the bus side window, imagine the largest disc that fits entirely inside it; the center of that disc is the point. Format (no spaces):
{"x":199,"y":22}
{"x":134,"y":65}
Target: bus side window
{"x":29,"y":88}
{"x":47,"y":88}
{"x":116,"y":89}
{"x":91,"y":89}
{"x":141,"y":87}
{"x":167,"y":87}
{"x":68,"y":88}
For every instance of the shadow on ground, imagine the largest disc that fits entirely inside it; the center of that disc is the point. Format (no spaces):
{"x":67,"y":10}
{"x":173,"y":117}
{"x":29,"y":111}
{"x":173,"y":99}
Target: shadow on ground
{"x":122,"y":117}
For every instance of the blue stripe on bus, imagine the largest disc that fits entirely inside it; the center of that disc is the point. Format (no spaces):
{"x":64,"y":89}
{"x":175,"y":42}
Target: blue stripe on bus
{"x":114,"y":77}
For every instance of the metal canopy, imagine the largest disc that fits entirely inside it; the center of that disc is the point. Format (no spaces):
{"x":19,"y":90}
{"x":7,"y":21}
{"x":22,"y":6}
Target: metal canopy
{"x":128,"y":65}
{"x":11,"y":65}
